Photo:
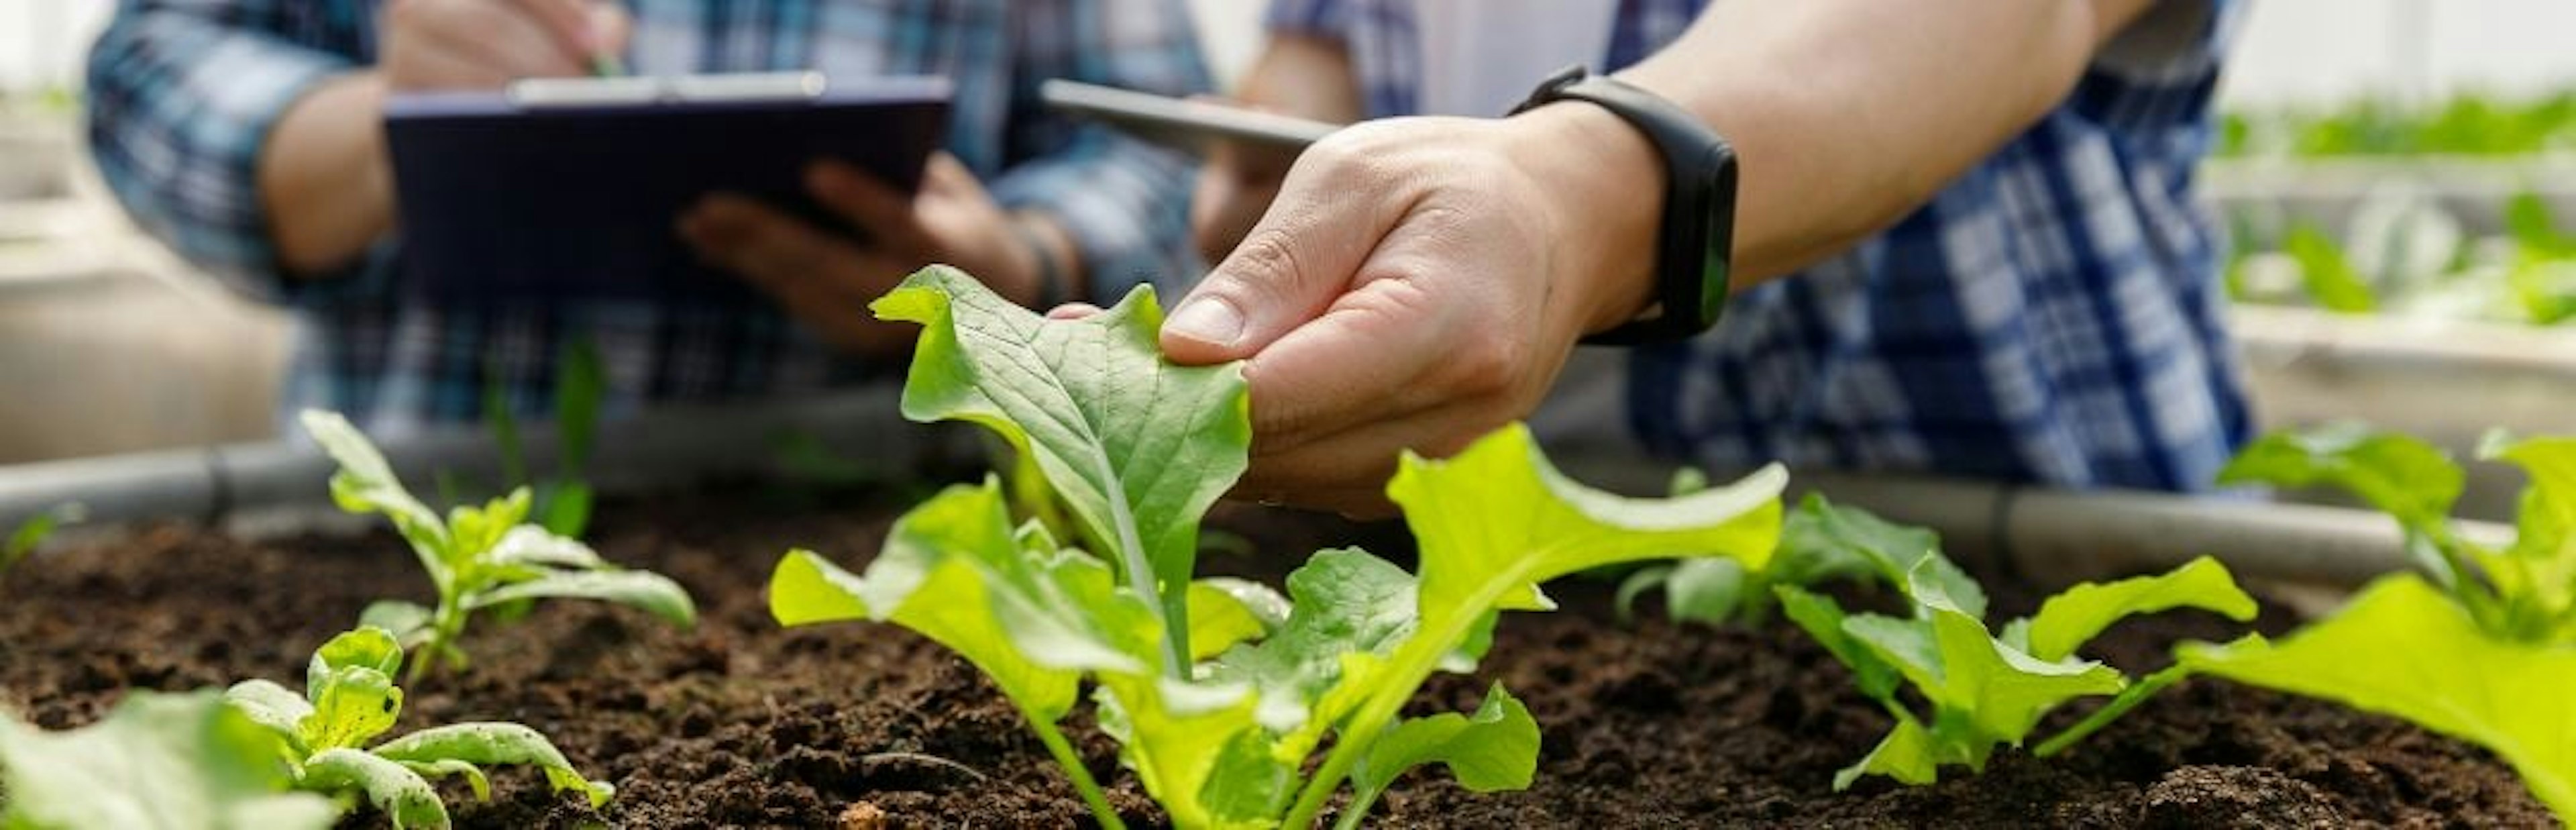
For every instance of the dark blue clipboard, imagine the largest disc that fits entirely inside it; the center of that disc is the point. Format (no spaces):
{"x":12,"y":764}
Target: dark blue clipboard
{"x":512,"y":197}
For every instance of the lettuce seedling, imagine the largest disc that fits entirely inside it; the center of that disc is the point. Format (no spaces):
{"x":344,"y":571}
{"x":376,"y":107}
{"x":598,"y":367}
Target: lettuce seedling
{"x":477,"y":558}
{"x":1985,"y":690}
{"x":1220,"y":692}
{"x":1819,"y":543}
{"x":33,"y":532}
{"x":350,"y":698}
{"x":564,"y":502}
{"x":2486,"y":650}
{"x":157,"y":762}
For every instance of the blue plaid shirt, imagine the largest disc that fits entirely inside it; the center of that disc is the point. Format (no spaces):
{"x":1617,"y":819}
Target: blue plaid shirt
{"x":182,"y":92}
{"x":2053,"y":316}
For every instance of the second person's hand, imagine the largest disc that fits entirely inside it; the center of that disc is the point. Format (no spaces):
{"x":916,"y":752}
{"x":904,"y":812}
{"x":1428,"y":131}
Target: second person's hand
{"x":1418,"y":283}
{"x":826,"y":280}
{"x":486,"y":44}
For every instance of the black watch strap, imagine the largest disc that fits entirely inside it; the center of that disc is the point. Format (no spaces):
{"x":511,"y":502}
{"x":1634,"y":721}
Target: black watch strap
{"x":1695,"y":244}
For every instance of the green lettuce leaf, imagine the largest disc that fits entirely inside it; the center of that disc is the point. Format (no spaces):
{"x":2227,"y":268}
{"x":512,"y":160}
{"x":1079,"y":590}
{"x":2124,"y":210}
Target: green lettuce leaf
{"x":479,"y":558}
{"x":207,"y":766}
{"x":365,"y":483}
{"x":1196,"y":748}
{"x":1823,"y":619}
{"x":275,"y":708}
{"x":1138,"y":447}
{"x":1227,"y":612}
{"x":1492,"y":523}
{"x":1986,"y":691}
{"x":2329,"y":278}
{"x":2537,"y":578}
{"x":953,"y":570}
{"x":2070,"y":619}
{"x":1498,"y":519}
{"x":1342,"y":601}
{"x":2405,"y":477}
{"x":488,"y":744}
{"x":1822,"y":541}
{"x":1494,"y":749}
{"x":1819,"y":542}
{"x":406,"y":799}
{"x":644,"y":590}
{"x":2429,"y":662}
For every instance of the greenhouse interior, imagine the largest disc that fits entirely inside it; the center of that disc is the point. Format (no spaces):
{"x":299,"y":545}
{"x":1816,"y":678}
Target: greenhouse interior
{"x":1287,"y":413}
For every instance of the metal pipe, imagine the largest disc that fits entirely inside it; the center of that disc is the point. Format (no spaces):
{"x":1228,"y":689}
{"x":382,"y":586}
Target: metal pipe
{"x":2056,"y":537}
{"x":654,"y":449}
{"x":2051,"y":537}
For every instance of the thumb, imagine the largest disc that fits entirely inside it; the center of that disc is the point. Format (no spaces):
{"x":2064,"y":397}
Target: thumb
{"x":1291,"y":266}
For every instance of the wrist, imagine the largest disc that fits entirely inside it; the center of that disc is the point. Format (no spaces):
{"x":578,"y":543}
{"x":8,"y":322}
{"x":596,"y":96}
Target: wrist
{"x":1607,"y":183}
{"x":1043,"y":256}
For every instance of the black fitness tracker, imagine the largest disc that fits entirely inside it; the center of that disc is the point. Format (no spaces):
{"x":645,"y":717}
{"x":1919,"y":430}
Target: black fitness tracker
{"x":1696,"y":243}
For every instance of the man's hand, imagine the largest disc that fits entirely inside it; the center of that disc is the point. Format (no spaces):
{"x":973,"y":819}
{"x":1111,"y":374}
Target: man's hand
{"x":485,"y":44}
{"x":827,"y":280}
{"x":323,"y":175}
{"x":1418,"y":283}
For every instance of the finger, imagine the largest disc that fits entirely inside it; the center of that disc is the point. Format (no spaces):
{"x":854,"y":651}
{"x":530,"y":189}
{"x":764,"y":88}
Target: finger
{"x":765,"y":246}
{"x":886,"y":214}
{"x":1072,"y":311}
{"x":823,"y":282}
{"x":1397,"y":344}
{"x":1329,"y":215}
{"x":442,"y":68}
{"x":1363,"y":458}
{"x":571,"y":24}
{"x":507,"y":38}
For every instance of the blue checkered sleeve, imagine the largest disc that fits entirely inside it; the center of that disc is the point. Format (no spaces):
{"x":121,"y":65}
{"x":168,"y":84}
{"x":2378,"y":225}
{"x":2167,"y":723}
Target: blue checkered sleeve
{"x":2051,"y":316}
{"x":1124,"y":201}
{"x":181,"y":98}
{"x":1313,"y":16}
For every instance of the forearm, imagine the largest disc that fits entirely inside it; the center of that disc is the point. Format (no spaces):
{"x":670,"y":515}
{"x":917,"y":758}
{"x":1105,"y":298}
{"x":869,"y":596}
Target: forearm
{"x":324,"y":178}
{"x":1848,"y":114}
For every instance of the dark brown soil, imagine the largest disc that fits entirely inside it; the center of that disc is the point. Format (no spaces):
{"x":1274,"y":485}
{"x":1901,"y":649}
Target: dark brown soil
{"x":740,"y":723}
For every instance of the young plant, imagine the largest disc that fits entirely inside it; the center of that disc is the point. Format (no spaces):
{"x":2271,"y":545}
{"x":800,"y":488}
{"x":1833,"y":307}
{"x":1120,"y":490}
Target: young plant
{"x":350,"y":698}
{"x":2485,"y":651}
{"x":580,"y":382}
{"x":1984,"y":690}
{"x":477,"y":558}
{"x":157,"y":762}
{"x":2327,"y":275}
{"x":1220,"y":692}
{"x":33,"y":532}
{"x":1819,"y":543}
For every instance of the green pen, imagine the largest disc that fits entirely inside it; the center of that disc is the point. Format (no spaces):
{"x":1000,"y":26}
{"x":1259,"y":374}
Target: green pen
{"x":604,"y":63}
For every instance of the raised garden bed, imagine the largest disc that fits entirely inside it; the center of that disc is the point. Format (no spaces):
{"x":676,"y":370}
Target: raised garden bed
{"x":741,"y":723}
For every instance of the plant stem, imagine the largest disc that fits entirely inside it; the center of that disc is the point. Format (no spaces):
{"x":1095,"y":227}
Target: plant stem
{"x":1172,"y":611}
{"x":443,"y":627}
{"x":2137,"y":693}
{"x":1361,"y":800}
{"x":1072,"y":763}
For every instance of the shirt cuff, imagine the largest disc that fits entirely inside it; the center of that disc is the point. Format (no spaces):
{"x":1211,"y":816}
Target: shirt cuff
{"x":1318,"y":16}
